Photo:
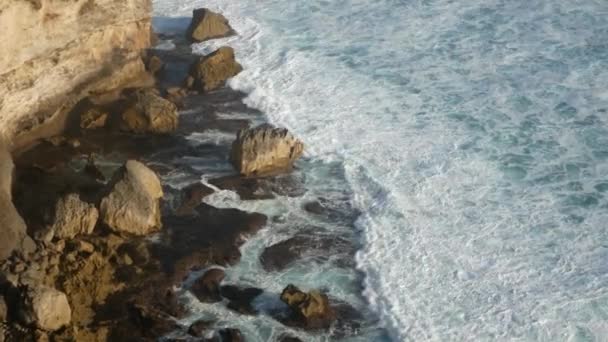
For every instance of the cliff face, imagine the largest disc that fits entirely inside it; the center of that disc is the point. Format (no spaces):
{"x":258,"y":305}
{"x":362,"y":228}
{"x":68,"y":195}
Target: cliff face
{"x":56,"y":52}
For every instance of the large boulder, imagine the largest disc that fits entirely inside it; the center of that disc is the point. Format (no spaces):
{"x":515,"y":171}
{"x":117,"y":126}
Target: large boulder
{"x":55,"y":53}
{"x":150,"y":114}
{"x":311,"y":310}
{"x":133,"y":205}
{"x":45,"y":307}
{"x":212,"y":70}
{"x":73,"y":217}
{"x":207,"y":24}
{"x":207,"y":287}
{"x":265,"y":150}
{"x":12,"y":226}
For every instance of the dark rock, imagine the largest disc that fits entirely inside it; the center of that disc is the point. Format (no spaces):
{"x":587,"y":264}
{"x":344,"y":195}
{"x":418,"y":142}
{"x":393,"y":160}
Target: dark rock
{"x":207,"y":287}
{"x":211,"y":236}
{"x":340,"y":210}
{"x":207,"y":24}
{"x":231,"y":335}
{"x":314,"y":207}
{"x":306,"y":246}
{"x":261,"y":188}
{"x":240,"y":299}
{"x":310,"y":310}
{"x":151,"y":322}
{"x":192,"y":196}
{"x":288,"y":338}
{"x":265,"y":150}
{"x":199,"y":328}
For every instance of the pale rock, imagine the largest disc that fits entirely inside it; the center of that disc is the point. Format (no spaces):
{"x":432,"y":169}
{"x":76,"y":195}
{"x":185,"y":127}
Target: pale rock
{"x":133,"y":205}
{"x":45,"y":307}
{"x":213,"y":70}
{"x":207,"y":24}
{"x":73,"y":217}
{"x":265,"y":150}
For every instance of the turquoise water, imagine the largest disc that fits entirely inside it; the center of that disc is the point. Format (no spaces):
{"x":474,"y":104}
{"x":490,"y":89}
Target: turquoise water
{"x":474,"y":140}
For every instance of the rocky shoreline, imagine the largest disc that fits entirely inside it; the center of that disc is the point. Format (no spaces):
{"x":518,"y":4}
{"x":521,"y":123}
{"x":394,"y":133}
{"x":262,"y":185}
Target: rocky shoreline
{"x":108,"y":241}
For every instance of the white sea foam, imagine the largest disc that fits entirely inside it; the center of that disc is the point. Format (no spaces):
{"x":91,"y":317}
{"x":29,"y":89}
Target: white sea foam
{"x":474,"y":137}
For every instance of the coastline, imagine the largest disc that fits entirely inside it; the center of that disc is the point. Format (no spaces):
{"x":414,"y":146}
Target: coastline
{"x":143,"y":272}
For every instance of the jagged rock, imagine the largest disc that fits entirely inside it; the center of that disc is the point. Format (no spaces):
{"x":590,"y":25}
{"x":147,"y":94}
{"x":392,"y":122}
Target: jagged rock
{"x":265,"y":150}
{"x":133,"y":204}
{"x":93,"y":118}
{"x":288,"y":338}
{"x":231,"y":335}
{"x":150,"y":114}
{"x":61,"y":52}
{"x":207,"y":24}
{"x":45,"y":307}
{"x":12,"y":226}
{"x":207,"y":287}
{"x":310,"y":310}
{"x":241,"y":299}
{"x":73,"y":217}
{"x":192,"y":195}
{"x":199,"y":328}
{"x":212,"y":70}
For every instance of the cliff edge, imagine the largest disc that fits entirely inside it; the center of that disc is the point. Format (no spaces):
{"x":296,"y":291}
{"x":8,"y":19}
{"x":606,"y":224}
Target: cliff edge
{"x":55,"y":53}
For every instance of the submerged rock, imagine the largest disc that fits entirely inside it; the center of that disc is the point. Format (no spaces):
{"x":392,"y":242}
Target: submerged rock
{"x":45,"y":307}
{"x":306,"y":245}
{"x":199,"y":328}
{"x":212,"y":70}
{"x":150,"y":114}
{"x":241,"y":298}
{"x":231,"y":335}
{"x":207,"y":24}
{"x":73,"y":217}
{"x":133,"y":205}
{"x":265,"y":150}
{"x":207,"y":287}
{"x":310,"y":310}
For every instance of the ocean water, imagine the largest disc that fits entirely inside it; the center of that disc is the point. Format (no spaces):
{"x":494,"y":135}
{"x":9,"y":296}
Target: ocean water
{"x":471,"y":135}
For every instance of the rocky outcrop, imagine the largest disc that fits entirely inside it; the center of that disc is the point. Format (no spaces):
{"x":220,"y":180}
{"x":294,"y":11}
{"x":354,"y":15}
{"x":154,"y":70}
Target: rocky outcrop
{"x":207,"y":24}
{"x":311,"y":310}
{"x":150,"y":114}
{"x":73,"y":217}
{"x":133,"y":204}
{"x":207,"y":287}
{"x":93,"y":118}
{"x":265,"y":150}
{"x":213,"y":70}
{"x":58,"y":52}
{"x":45,"y":307}
{"x":12,"y":226}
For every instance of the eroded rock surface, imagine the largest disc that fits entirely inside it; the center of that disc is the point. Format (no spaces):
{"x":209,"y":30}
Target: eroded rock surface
{"x":61,"y":52}
{"x":73,"y":217}
{"x":46,"y":307}
{"x":150,"y":114}
{"x":265,"y":150}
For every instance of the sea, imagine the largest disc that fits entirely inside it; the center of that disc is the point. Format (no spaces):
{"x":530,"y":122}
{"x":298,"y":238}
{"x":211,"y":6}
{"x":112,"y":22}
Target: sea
{"x":471,"y":137}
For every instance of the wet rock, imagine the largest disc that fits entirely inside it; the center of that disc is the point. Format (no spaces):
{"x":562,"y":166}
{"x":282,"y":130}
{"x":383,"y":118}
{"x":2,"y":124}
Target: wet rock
{"x":314,"y":207}
{"x":339,"y":209}
{"x":212,"y":70}
{"x":133,"y":203}
{"x":3,"y":309}
{"x":210,"y":236}
{"x":305,"y":246}
{"x":231,"y":335}
{"x":207,"y":287}
{"x":45,"y":307}
{"x":310,"y":310}
{"x":207,"y":25}
{"x":192,"y":196}
{"x":240,"y":299}
{"x":152,"y":322}
{"x":93,"y":118}
{"x":199,"y":328}
{"x":288,"y":338}
{"x":150,"y":114}
{"x":261,"y":188}
{"x":73,"y":217}
{"x":12,"y":226}
{"x":265,"y":150}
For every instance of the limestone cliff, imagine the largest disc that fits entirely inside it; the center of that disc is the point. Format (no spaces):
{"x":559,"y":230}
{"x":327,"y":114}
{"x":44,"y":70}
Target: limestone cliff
{"x":55,"y":52}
